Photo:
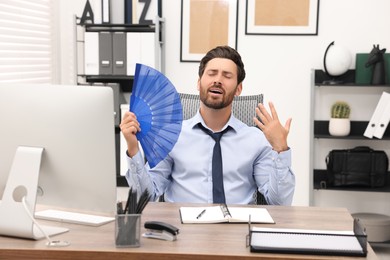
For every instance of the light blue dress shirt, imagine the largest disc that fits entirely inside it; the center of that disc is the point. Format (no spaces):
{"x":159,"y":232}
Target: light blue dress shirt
{"x":248,"y":163}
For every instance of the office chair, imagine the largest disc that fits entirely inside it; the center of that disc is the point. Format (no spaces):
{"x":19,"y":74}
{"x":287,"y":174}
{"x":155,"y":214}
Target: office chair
{"x":243,"y":106}
{"x":243,"y":109}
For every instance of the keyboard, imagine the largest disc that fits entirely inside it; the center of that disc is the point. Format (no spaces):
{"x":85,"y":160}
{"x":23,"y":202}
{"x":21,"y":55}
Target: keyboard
{"x":73,"y":217}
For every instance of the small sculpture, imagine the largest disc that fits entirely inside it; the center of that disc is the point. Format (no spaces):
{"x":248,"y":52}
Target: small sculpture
{"x":376,"y":60}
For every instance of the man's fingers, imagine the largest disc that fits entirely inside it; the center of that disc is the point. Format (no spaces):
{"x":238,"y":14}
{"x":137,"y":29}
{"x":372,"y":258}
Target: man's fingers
{"x":273,"y":111}
{"x":130,"y":123}
{"x":258,"y":123}
{"x":288,"y":124}
{"x":263,"y":113}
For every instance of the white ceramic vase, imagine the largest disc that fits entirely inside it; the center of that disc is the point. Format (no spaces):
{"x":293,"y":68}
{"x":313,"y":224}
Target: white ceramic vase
{"x":339,"y":126}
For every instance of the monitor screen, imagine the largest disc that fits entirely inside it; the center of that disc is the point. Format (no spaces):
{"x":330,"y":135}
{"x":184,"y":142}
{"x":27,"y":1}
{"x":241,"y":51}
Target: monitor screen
{"x":75,"y":127}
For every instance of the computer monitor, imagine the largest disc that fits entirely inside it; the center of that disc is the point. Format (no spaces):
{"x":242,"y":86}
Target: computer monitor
{"x":67,"y":134}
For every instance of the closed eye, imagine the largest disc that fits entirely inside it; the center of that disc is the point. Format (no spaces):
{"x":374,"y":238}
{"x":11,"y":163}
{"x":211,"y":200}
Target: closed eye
{"x":212,"y":72}
{"x":228,"y":75}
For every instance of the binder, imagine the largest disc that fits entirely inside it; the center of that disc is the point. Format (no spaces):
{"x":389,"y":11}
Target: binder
{"x":363,"y":75}
{"x":119,"y":53}
{"x":148,"y":49}
{"x":140,"y":48}
{"x":117,"y":12}
{"x":383,"y":121}
{"x":91,"y":49}
{"x":128,"y":12}
{"x":133,"y":51}
{"x":313,"y":242}
{"x":105,"y":53}
{"x":377,"y":117}
{"x":106,"y":6}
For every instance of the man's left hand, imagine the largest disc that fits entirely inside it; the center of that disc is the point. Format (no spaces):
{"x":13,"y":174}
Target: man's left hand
{"x":273,"y":130}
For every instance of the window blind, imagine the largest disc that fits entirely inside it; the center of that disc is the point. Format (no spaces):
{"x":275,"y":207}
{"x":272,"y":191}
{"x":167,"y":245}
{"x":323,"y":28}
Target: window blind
{"x":26,"y":41}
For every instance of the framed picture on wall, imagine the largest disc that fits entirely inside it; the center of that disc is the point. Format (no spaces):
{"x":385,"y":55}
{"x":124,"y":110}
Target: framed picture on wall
{"x":206,"y":24}
{"x":282,"y":17}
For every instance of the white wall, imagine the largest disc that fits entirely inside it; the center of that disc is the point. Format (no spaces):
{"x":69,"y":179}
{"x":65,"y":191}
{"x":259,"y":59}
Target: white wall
{"x":67,"y":10}
{"x":278,"y":66}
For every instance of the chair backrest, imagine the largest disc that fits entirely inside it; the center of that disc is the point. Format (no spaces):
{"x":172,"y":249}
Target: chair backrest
{"x":243,"y":106}
{"x":243,"y":109}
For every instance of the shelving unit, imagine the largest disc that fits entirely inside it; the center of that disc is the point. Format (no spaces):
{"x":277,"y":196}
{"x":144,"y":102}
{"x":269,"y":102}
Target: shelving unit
{"x":123,"y":80}
{"x":363,"y":100}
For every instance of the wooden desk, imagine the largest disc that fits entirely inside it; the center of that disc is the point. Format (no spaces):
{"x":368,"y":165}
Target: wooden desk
{"x":195,"y":241}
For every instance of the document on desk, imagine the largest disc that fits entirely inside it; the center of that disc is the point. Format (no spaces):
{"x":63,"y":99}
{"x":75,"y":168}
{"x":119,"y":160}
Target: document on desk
{"x":302,"y":241}
{"x":223,"y":213}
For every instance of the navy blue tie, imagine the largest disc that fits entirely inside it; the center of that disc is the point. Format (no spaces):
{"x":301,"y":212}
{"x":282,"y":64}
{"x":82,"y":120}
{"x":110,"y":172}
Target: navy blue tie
{"x":217,"y":171}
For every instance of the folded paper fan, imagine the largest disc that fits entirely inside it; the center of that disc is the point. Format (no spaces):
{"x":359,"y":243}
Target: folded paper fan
{"x":156,"y":103}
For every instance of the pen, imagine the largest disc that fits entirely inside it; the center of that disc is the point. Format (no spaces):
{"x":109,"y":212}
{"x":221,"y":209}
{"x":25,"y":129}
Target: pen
{"x":119,"y":207}
{"x":200,"y":214}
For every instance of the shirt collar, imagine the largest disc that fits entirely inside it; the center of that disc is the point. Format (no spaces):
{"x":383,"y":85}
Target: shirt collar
{"x":233,"y":122}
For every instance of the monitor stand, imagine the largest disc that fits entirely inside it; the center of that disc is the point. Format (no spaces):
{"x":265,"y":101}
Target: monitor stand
{"x":23,"y":182}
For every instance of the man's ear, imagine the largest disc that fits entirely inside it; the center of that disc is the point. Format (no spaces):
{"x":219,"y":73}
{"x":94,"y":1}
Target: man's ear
{"x":238,"y":90}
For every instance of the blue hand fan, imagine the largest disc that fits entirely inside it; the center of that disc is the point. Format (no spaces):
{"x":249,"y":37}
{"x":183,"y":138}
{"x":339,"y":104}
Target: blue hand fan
{"x":156,"y":103}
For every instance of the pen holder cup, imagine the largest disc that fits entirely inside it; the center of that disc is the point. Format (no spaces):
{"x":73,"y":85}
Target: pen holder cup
{"x":127,"y":230}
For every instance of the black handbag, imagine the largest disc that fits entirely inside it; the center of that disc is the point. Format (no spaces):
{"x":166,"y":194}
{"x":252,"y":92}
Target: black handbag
{"x":360,"y":166}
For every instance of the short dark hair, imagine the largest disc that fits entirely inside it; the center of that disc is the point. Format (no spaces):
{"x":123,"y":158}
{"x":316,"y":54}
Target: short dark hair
{"x":225,"y":52}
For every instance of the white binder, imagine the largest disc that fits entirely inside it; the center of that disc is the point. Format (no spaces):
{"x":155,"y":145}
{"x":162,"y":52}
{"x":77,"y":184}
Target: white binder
{"x":380,"y":114}
{"x":91,"y":52}
{"x":133,"y":51}
{"x":383,"y":121}
{"x":140,"y":49}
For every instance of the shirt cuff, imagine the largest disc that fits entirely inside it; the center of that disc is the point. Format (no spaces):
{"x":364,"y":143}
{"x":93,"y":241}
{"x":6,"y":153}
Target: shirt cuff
{"x":135,"y":163}
{"x":282,"y":159}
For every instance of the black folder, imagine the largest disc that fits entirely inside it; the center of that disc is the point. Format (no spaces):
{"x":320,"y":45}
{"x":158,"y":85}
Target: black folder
{"x":315,"y":243}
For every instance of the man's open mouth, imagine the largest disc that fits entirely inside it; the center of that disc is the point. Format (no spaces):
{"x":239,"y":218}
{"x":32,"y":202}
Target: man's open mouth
{"x":216,"y":91}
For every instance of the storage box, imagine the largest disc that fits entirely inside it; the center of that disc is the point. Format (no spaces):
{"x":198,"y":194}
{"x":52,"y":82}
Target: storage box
{"x":363,"y":75}
{"x":377,"y":226}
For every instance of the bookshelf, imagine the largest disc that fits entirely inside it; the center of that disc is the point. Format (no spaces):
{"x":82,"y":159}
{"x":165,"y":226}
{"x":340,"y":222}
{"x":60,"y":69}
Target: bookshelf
{"x":363,"y":100}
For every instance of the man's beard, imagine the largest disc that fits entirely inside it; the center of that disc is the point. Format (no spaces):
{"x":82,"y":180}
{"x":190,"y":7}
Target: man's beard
{"x":227,"y":99}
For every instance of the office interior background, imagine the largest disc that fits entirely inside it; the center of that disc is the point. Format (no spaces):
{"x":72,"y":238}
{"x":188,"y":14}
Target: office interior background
{"x":278,"y":66}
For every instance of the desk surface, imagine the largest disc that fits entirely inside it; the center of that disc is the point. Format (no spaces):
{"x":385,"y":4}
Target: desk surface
{"x":195,"y":241}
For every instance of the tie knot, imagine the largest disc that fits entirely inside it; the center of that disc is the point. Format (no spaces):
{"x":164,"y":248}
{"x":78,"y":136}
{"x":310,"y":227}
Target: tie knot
{"x":216,"y":136}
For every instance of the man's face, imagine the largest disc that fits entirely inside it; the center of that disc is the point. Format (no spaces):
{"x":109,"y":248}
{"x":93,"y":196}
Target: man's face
{"x":218,"y":84}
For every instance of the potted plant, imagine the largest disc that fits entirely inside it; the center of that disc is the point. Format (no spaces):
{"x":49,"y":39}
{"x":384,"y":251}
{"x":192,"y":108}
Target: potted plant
{"x":339,"y":123}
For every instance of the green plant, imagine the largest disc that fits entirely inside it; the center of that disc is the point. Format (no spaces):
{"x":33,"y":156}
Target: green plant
{"x":340,"y":109}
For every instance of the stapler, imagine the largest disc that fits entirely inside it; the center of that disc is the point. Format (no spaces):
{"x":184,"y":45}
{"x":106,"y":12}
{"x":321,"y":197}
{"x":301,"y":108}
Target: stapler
{"x":160,"y":230}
